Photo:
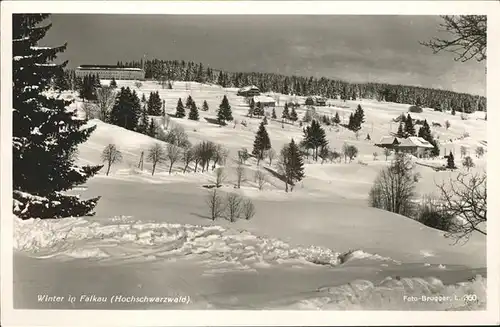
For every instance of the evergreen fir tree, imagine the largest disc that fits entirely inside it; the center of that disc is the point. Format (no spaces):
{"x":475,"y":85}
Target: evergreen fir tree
{"x":315,"y":137}
{"x":293,"y":115}
{"x":154,"y":104}
{"x":336,"y":120}
{"x":193,"y":112}
{"x":126,"y":110}
{"x":400,"y":132}
{"x":285,"y":114}
{"x":180,"y":112}
{"x":292,"y":164}
{"x":205,"y":106}
{"x":273,"y":115}
{"x":453,"y":111}
{"x":450,"y":163}
{"x":251,"y":110}
{"x":261,"y":143}
{"x":409,"y":127}
{"x":265,"y":120}
{"x":351,"y":124}
{"x":143,"y":124}
{"x":189,"y":101}
{"x":45,"y":134}
{"x":143,"y":99}
{"x":152,"y":129}
{"x":113,"y":83}
{"x":224,"y":113}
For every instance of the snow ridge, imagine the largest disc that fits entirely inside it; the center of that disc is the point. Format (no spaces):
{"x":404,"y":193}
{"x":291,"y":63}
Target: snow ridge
{"x":122,"y":238}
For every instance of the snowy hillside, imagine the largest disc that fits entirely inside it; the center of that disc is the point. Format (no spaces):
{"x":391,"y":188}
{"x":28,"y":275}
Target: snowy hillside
{"x":318,"y":247}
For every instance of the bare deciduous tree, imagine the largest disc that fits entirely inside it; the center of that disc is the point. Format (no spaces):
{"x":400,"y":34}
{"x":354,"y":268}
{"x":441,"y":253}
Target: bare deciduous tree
{"x":468,"y":37}
{"x":219,"y":155}
{"x":261,"y":179}
{"x":111,"y":155}
{"x":89,"y":108}
{"x":248,"y":209}
{"x":375,"y":155}
{"x":173,"y":155}
{"x":463,"y":151}
{"x":465,"y":199}
{"x":240,"y":175}
{"x":188,"y":155}
{"x":175,"y":135}
{"x":233,"y":206}
{"x":215,"y":203}
{"x":394,"y":187}
{"x":105,"y":101}
{"x":387,"y":153}
{"x":271,"y":154}
{"x":156,"y":154}
{"x":220,"y":176}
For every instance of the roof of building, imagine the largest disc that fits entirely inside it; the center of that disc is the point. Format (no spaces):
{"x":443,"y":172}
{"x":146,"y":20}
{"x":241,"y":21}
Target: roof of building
{"x":263,"y":99}
{"x":417,"y":141}
{"x":411,"y":141}
{"x":106,"y":67}
{"x":248,"y":88}
{"x":388,"y":140}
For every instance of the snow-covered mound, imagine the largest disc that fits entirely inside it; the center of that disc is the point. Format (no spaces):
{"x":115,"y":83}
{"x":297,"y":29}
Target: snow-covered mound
{"x":398,"y":294}
{"x":80,"y":238}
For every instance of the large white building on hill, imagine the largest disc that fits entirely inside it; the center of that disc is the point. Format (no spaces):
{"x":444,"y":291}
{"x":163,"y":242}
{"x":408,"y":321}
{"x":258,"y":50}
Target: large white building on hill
{"x":110,"y":72}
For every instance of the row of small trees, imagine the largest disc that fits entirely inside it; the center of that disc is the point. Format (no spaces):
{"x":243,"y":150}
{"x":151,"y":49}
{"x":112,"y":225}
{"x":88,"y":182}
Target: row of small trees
{"x":232,"y":207}
{"x":180,"y":111}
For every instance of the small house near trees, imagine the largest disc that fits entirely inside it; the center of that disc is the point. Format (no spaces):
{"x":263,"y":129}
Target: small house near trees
{"x":264,"y":101}
{"x":249,"y":91}
{"x":413,"y":145}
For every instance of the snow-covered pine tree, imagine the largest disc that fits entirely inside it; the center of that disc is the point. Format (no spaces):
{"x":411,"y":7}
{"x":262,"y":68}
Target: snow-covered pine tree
{"x":126,"y":110}
{"x":113,"y":83}
{"x":193,"y":112}
{"x":293,"y":115}
{"x":261,"y":143}
{"x":151,"y":131}
{"x":400,"y":132}
{"x":285,"y":114}
{"x":450,"y":162}
{"x":291,"y":164}
{"x":180,"y":112}
{"x":409,"y":127}
{"x":336,"y":119}
{"x":224,"y":113}
{"x":189,"y":101}
{"x":205,"y":106}
{"x":315,"y":136}
{"x":143,"y":124}
{"x":45,"y":133}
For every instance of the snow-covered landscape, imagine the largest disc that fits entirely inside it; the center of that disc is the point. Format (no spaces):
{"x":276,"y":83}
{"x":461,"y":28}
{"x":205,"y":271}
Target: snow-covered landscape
{"x":319,"y":247}
{"x":283,"y":173}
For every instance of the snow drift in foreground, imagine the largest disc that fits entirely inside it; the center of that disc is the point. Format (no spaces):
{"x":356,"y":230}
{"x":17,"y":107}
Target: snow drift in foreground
{"x":401,"y":294}
{"x":124,"y":239}
{"x":223,"y":250}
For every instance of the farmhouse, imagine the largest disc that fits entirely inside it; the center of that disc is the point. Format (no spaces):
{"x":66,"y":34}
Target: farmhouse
{"x":110,"y":72}
{"x":319,"y":101}
{"x":249,"y":91}
{"x":416,"y":146}
{"x":264,"y":101}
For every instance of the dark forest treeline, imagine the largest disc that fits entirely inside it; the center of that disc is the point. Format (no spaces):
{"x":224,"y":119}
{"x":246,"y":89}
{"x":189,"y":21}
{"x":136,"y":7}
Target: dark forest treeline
{"x":168,"y":70}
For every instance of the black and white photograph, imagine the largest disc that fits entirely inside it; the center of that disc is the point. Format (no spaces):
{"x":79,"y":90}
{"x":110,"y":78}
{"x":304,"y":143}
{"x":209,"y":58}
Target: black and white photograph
{"x":272,"y":160}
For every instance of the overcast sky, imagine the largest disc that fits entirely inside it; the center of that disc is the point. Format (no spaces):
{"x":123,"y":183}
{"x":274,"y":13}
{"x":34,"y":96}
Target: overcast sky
{"x":353,"y":48}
